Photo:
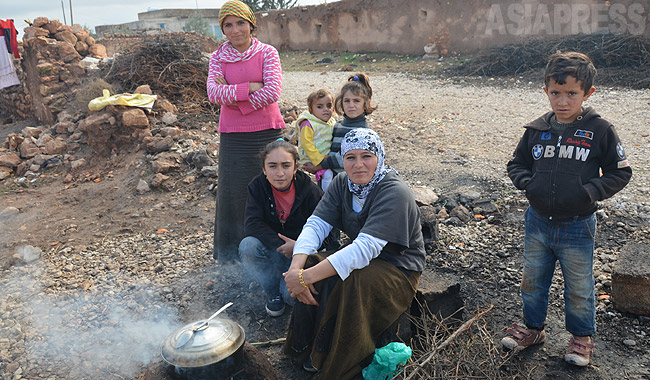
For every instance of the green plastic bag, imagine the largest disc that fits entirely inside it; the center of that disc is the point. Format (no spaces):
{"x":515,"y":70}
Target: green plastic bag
{"x":387,"y":358}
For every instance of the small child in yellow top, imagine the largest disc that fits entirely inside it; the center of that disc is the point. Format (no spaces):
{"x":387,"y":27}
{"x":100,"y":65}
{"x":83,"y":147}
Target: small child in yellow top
{"x":315,"y":133}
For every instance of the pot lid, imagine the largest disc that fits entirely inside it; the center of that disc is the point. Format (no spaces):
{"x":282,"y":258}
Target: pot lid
{"x":206,"y":345}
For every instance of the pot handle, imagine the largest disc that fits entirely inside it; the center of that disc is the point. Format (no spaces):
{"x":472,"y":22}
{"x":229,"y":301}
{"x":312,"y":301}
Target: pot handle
{"x":205,"y":323}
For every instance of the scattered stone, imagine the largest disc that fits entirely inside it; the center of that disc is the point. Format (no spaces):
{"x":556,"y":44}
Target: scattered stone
{"x":156,"y":144}
{"x":34,"y":132}
{"x":209,"y":171}
{"x":169,"y":118}
{"x":484,"y":206}
{"x":166,"y":162}
{"x":461,"y":213}
{"x":165,"y":105}
{"x":448,"y":202}
{"x":429,"y":221}
{"x":135,"y":118}
{"x":170,"y":131}
{"x":144,"y":89}
{"x":56,"y":146}
{"x":78,"y":164}
{"x":66,"y":36}
{"x":158,"y":180}
{"x":631,"y":279}
{"x":424,"y":196}
{"x":629,"y":342}
{"x":142,"y":187}
{"x":97,"y":51}
{"x":199,"y":159}
{"x":9,"y":211}
{"x":14,"y":141}
{"x":438,"y":294}
{"x":28,"y":253}
{"x":468,"y":196}
{"x":9,"y":160}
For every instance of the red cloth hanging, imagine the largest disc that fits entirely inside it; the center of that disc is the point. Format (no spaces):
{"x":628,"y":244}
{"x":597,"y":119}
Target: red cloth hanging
{"x":8,"y":30}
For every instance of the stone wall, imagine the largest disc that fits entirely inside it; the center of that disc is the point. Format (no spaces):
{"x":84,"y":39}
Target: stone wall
{"x":405,"y":27}
{"x":49,"y":68}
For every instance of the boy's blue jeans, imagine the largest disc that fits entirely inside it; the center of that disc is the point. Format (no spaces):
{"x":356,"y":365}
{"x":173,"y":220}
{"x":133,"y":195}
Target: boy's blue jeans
{"x":572,"y":244}
{"x":265,"y":266}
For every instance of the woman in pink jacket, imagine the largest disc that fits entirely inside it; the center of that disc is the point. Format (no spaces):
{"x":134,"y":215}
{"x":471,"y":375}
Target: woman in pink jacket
{"x":245,"y":78}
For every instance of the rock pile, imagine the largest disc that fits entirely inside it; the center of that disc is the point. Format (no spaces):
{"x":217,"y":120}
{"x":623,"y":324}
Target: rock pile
{"x":50,"y":67}
{"x":75,"y":139}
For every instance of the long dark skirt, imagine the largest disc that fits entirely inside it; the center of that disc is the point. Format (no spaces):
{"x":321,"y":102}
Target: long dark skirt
{"x":238,"y":164}
{"x":340,"y":334}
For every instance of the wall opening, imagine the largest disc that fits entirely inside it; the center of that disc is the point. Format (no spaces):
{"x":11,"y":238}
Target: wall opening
{"x":318,"y":28}
{"x":423,"y":14}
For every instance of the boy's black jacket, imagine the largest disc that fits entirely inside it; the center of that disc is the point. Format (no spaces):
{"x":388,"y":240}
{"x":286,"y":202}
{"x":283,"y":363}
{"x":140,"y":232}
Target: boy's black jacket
{"x":261,"y":220}
{"x":561,"y":174}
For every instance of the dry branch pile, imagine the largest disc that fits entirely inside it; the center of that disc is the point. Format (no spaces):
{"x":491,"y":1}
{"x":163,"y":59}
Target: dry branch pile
{"x":445,"y":351}
{"x":170,"y":64}
{"x":621,"y":60}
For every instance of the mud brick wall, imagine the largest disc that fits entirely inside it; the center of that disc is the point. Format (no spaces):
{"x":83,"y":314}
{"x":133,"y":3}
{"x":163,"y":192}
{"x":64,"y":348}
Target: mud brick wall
{"x":405,"y":27}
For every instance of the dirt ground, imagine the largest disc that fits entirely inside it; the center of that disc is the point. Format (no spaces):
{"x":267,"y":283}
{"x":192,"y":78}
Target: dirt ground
{"x":448,"y":134}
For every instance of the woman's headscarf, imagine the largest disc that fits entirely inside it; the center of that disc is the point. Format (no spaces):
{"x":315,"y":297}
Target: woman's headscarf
{"x":236,"y":8}
{"x":367,"y":139}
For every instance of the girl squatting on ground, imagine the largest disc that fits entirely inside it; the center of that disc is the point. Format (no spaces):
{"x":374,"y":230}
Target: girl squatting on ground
{"x":280,"y":199}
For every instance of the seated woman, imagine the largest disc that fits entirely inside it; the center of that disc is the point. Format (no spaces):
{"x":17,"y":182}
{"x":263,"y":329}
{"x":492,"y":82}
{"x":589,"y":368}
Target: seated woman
{"x":349,"y":297}
{"x":280,"y":199}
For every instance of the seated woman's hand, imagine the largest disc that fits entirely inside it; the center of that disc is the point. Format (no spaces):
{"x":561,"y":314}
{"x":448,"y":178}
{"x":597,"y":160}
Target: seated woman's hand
{"x":297,"y":290}
{"x":287,"y":248}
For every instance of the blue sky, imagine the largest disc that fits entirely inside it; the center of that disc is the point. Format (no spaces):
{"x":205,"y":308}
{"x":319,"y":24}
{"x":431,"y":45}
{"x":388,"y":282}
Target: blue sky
{"x":95,"y":12}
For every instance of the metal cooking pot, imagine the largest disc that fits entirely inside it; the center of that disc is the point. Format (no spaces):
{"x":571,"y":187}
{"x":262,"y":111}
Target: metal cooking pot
{"x":200,"y":350}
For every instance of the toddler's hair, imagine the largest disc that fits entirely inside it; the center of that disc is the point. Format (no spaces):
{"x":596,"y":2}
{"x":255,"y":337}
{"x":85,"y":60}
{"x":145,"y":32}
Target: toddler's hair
{"x":279,"y":143}
{"x":359,"y":84}
{"x":317,"y":95}
{"x":577,"y":65}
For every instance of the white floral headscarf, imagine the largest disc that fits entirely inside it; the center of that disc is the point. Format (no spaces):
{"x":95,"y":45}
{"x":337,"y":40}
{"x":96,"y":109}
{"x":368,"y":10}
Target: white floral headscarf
{"x":366,"y":139}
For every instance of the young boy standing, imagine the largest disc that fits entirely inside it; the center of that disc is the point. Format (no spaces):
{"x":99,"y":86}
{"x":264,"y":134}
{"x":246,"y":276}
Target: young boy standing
{"x":558,"y":163}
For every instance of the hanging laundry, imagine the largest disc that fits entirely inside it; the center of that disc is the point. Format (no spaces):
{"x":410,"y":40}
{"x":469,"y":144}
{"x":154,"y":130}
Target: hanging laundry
{"x":8,"y":30}
{"x":8,"y":75}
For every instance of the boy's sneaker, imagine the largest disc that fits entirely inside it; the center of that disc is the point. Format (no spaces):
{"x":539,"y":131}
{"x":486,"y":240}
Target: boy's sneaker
{"x":309,"y":366}
{"x":521,"y":337}
{"x":579,"y":352}
{"x":275,"y":306}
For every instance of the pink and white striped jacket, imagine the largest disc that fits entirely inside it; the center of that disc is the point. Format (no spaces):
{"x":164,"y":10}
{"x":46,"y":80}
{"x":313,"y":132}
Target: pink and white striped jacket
{"x":254,"y":112}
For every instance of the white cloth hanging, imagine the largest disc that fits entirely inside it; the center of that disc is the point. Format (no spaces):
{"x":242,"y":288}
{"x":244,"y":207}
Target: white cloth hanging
{"x":8,"y":76}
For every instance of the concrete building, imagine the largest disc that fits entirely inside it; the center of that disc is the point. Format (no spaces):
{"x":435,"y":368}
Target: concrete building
{"x":165,"y":21}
